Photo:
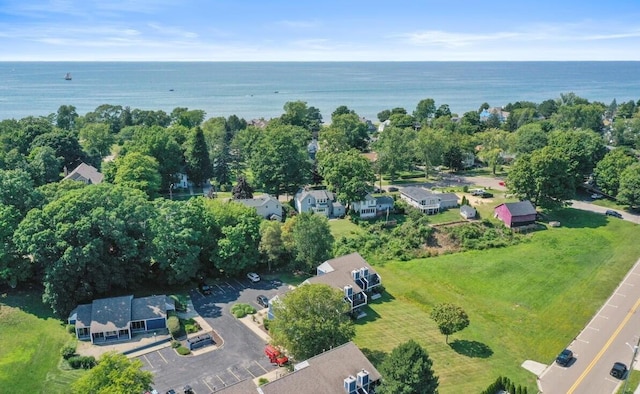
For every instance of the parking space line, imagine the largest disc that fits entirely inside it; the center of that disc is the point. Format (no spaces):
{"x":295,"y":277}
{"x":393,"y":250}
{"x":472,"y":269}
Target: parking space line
{"x":230,"y":285}
{"x":236,"y":376}
{"x":207,"y":384}
{"x":148,"y":362}
{"x":613,"y":306}
{"x":596,"y":329}
{"x":604,"y":317}
{"x":240,"y":283}
{"x":221,"y":289}
{"x":162,"y":357}
{"x":221,"y":381}
{"x":620,"y":294}
{"x":250,"y":373}
{"x":263,"y":368}
{"x":582,"y":340}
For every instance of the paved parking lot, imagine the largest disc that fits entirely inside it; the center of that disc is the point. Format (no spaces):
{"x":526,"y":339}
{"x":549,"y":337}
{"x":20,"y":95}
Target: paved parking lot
{"x":239,"y":357}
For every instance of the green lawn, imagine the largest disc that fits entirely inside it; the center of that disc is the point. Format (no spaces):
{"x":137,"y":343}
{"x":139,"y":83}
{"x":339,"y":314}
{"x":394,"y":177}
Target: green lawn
{"x":344,"y":228}
{"x":527,"y":301}
{"x":30,"y":343}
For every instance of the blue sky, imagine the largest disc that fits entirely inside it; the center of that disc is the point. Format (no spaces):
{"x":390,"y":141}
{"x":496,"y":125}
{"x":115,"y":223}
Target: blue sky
{"x":301,"y":30}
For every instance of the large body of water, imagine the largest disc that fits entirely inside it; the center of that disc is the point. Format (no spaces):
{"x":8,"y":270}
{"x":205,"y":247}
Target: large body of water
{"x":260,"y":89}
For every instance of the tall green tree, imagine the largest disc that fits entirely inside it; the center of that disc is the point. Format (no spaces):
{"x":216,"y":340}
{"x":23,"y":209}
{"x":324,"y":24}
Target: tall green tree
{"x":408,"y":370}
{"x":187,"y":118}
{"x":242,"y":189}
{"x":309,"y":240}
{"x":428,"y":148}
{"x":66,"y":117}
{"x":236,"y":231}
{"x":394,"y":150}
{"x":297,"y":113}
{"x":354,"y":130}
{"x":44,"y":166}
{"x":425,"y":110}
{"x":138,"y":171}
{"x":178,"y":237}
{"x":65,"y":144}
{"x":311,"y":319}
{"x":529,"y":138}
{"x":271,"y":245}
{"x":115,"y":373}
{"x":88,"y":242}
{"x":14,"y":267}
{"x":18,"y":190}
{"x":583,"y":149}
{"x":629,"y":191}
{"x":279,"y":161}
{"x":608,"y":170}
{"x":450,"y":319}
{"x":544,"y":177}
{"x":199,"y":166}
{"x":348,"y":173}
{"x":96,"y":140}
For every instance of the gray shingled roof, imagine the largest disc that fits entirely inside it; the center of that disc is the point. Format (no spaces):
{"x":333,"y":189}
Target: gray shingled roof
{"x":416,"y":193}
{"x":341,"y":274}
{"x":148,"y":308}
{"x":86,"y":173}
{"x":447,"y":196}
{"x":380,"y":200}
{"x":111,"y":314}
{"x":317,"y":194}
{"x":522,"y":208}
{"x":325,"y":373}
{"x":83,"y":315}
{"x":254,"y":202}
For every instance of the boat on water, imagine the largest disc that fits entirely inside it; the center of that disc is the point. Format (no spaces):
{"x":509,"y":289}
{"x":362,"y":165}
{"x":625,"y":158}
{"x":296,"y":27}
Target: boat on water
{"x":67,"y":77}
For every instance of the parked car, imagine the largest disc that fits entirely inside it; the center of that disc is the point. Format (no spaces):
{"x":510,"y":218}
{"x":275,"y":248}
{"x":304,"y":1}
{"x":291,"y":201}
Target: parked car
{"x":253,"y":277}
{"x":619,"y":370}
{"x":392,"y":189}
{"x":596,"y":196}
{"x":565,"y":357}
{"x":262,"y":300}
{"x":486,"y":195}
{"x":613,"y":213}
{"x":188,"y":390}
{"x":275,"y":356}
{"x":477,"y":192}
{"x":171,"y":391}
{"x":205,"y":289}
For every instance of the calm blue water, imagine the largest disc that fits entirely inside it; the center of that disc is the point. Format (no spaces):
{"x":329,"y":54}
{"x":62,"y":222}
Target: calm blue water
{"x":254,"y":90}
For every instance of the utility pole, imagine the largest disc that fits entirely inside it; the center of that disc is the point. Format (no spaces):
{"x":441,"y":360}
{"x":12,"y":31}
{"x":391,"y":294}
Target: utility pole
{"x":633,"y":359}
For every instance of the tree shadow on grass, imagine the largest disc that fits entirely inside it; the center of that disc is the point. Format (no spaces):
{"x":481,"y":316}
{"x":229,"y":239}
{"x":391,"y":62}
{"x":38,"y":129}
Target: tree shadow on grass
{"x":375,"y":356}
{"x":576,"y":218}
{"x":473,"y":349}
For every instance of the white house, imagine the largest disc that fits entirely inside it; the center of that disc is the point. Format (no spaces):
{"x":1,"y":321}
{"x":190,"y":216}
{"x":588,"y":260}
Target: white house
{"x":321,"y":202}
{"x":267,"y":206}
{"x":426,"y":201}
{"x":366,"y":208}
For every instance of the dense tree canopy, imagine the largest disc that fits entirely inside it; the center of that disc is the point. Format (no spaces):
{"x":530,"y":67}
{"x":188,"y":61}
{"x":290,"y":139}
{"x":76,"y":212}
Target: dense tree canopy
{"x":311,"y":319}
{"x":115,"y":373}
{"x":88,"y":242}
{"x":608,"y":170}
{"x":394,"y":150}
{"x":280,"y":161}
{"x":629,"y":191}
{"x":199,"y":166}
{"x":309,"y":240}
{"x":347,"y":173}
{"x":408,"y":370}
{"x":138,"y":171}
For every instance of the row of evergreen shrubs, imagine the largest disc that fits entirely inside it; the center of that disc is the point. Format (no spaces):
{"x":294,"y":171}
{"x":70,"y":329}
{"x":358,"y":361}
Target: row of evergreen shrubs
{"x":84,"y":362}
{"x":505,"y":384}
{"x":241,"y":310}
{"x":173,"y":324}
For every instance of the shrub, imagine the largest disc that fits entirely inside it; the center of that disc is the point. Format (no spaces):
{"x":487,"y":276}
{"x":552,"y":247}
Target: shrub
{"x":71,"y":328}
{"x":175,"y":344}
{"x":465,"y":188}
{"x":68,"y":350}
{"x":241,"y":310}
{"x":262,"y":381}
{"x":191,"y":326}
{"x":173,"y":323}
{"x":183,"y":351}
{"x":266,"y":323}
{"x":84,"y":362}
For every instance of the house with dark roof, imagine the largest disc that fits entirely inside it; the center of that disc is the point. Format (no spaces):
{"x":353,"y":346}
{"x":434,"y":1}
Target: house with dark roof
{"x":366,"y":208}
{"x":516,"y":214}
{"x":343,"y":369}
{"x":118,"y":318}
{"x":267,"y":206}
{"x":321,"y":202}
{"x":351,"y":274}
{"x":427,"y":201}
{"x":384,"y":204}
{"x":85,"y":173}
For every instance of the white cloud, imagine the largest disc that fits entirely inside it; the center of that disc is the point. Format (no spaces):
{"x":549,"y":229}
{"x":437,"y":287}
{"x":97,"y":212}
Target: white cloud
{"x":172,"y":30}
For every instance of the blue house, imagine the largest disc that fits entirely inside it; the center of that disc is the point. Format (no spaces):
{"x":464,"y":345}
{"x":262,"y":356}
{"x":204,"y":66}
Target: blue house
{"x":118,"y":318}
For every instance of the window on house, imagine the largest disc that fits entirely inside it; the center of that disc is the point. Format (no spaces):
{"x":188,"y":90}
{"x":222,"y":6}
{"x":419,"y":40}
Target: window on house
{"x":137,"y":325}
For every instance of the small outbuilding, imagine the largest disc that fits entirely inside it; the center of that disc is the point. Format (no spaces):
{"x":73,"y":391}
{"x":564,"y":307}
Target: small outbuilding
{"x":516,"y":214}
{"x":468,"y":212}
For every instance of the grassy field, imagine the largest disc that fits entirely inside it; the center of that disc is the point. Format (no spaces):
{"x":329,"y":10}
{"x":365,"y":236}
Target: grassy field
{"x":344,"y":228}
{"x":525,"y":302}
{"x":30,"y":343}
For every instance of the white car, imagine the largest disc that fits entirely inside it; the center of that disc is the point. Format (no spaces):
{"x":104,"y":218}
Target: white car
{"x":252,"y":276}
{"x":596,"y":196}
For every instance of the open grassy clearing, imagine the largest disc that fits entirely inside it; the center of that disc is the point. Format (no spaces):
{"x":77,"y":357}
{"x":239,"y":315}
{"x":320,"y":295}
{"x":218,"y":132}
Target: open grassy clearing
{"x":344,"y":228}
{"x":527,"y":301}
{"x":30,"y":343}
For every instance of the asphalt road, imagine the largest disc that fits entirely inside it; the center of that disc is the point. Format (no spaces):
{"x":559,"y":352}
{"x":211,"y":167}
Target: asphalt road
{"x":239,"y":357}
{"x":609,"y":337}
